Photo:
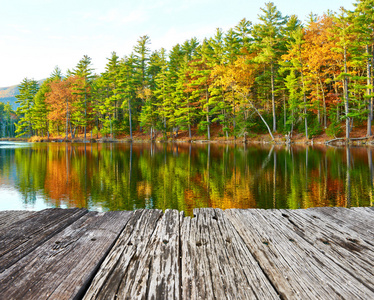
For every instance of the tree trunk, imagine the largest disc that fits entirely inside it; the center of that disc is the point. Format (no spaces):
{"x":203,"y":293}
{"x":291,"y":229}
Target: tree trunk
{"x":272,"y":98}
{"x":337,"y":106}
{"x":284,"y":110}
{"x":370,"y":104}
{"x":111,"y":127}
{"x":67,"y":120}
{"x":324,"y":104}
{"x":85,"y":114}
{"x":207,"y":115}
{"x":234,"y":120}
{"x":263,"y":120}
{"x":319,"y":109}
{"x":305,"y":111}
{"x":346,"y":99}
{"x":130,"y":121}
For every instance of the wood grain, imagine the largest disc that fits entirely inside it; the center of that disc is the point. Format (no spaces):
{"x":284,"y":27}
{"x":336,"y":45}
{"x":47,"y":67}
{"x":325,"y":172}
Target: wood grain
{"x":20,"y":238}
{"x":63,"y":266}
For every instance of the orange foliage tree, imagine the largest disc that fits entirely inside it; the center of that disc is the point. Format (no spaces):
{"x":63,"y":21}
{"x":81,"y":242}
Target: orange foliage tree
{"x":61,"y":101}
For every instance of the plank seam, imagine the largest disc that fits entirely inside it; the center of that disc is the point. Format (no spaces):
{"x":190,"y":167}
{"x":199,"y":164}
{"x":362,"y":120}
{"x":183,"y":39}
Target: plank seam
{"x":59,"y":229}
{"x":181,"y":221}
{"x":151,"y":259}
{"x":327,"y":256}
{"x":258,"y":263}
{"x":83,"y":290}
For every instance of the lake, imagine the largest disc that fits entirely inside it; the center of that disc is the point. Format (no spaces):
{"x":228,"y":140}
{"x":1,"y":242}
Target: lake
{"x":179,"y":176}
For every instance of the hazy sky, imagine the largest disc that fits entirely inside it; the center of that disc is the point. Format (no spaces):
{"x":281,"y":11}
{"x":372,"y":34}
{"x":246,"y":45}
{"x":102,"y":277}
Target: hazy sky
{"x":37,"y":35}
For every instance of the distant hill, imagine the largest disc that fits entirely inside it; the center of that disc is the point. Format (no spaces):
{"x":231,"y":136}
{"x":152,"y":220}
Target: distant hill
{"x":9,"y":94}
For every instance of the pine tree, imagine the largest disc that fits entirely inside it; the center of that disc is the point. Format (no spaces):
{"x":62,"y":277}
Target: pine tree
{"x":149,"y":113}
{"x":108,"y":92}
{"x":293,"y":61}
{"x":269,"y":45}
{"x":27,"y":91}
{"x":200,"y":81}
{"x":40,"y":110}
{"x":343,"y":35}
{"x":141,"y":52}
{"x":364,"y":28}
{"x":127,"y":86}
{"x":243,"y":33}
{"x":84,"y":71}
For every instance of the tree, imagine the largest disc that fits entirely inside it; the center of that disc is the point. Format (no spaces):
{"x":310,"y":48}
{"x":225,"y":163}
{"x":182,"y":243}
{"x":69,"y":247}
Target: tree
{"x":111,"y":96}
{"x":294,"y":62}
{"x":364,"y":27}
{"x":61,"y":101}
{"x":27,"y":91}
{"x":84,"y":71}
{"x":343,"y":37}
{"x":40,"y":110}
{"x":240,"y":77}
{"x":141,"y":53}
{"x":269,"y":45}
{"x":149,"y":113}
{"x":6,"y":120}
{"x":200,"y":81}
{"x":127,"y":84}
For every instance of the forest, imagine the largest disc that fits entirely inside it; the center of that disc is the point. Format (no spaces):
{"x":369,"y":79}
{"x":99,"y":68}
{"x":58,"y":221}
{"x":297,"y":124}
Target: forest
{"x":279,"y":75}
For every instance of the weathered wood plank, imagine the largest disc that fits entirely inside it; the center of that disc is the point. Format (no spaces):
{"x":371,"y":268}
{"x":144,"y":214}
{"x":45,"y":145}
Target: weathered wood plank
{"x":22,"y":237}
{"x":345,"y":248}
{"x":369,"y":211}
{"x":8,"y":217}
{"x":296,"y":268}
{"x":157,"y":274}
{"x":216,"y":264}
{"x":120,"y":267}
{"x":63,"y":266}
{"x":196,"y":276}
{"x":346,"y":218}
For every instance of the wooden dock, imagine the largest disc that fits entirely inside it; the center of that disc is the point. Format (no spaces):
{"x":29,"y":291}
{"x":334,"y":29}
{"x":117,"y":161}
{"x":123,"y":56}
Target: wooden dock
{"x":319,"y":253}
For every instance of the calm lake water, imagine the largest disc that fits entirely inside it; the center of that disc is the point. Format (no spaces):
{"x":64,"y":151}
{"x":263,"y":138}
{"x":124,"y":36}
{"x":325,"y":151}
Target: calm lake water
{"x":182,"y":176}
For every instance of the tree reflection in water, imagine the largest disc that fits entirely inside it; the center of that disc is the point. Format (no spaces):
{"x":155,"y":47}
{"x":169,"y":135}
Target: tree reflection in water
{"x":184,"y":176}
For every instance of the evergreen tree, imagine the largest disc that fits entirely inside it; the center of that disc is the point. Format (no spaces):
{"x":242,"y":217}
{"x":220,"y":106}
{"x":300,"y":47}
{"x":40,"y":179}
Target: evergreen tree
{"x":149,"y":113}
{"x":364,"y":27}
{"x":269,"y":45}
{"x":127,"y":85}
{"x":141,"y":53}
{"x":84,"y":71}
{"x":112,"y":94}
{"x":27,"y":91}
{"x":343,"y":30}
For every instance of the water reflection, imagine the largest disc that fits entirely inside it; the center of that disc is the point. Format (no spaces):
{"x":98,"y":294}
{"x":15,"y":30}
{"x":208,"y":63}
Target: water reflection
{"x":184,"y":176}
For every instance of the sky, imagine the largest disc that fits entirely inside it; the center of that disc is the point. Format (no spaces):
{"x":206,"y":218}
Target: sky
{"x":37,"y":35}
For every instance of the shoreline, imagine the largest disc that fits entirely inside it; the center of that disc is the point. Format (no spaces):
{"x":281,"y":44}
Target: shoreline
{"x":354,"y":141}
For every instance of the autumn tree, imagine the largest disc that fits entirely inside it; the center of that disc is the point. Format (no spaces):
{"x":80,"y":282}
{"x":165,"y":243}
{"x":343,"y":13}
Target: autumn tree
{"x":61,"y":100}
